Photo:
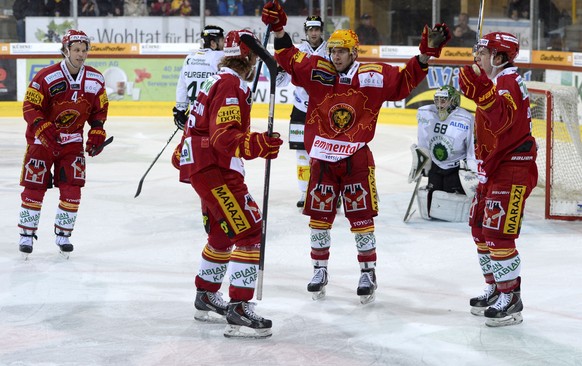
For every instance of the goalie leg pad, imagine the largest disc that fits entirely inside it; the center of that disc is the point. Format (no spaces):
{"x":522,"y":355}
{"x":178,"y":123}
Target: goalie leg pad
{"x":422,"y":197}
{"x":451,"y":207}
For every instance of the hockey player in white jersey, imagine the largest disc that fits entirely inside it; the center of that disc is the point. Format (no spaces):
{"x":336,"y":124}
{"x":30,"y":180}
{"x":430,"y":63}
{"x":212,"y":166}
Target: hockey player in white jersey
{"x":445,"y":133}
{"x":313,"y":44}
{"x":197,"y":67}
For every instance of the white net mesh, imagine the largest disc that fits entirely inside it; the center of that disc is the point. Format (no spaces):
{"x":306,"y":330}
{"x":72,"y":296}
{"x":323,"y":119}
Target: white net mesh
{"x":564,"y":179}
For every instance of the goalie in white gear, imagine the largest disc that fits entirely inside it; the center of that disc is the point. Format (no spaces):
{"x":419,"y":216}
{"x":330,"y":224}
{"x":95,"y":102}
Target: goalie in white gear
{"x":445,"y":130}
{"x":312,"y":45}
{"x":197,"y":67}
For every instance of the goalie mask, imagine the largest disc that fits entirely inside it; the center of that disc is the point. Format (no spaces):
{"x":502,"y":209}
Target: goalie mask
{"x":446,"y":99}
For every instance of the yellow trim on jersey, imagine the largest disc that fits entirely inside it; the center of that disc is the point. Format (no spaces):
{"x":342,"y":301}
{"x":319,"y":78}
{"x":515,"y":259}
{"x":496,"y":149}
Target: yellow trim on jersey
{"x":373,"y":190}
{"x":326,"y":66}
{"x":216,"y":256}
{"x":370,"y":67}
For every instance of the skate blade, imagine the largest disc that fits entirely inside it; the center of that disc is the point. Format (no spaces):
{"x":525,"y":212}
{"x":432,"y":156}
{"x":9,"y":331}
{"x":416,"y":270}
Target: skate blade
{"x":24,"y":256}
{"x":209,"y":317}
{"x":478,"y":311}
{"x":65,"y":255}
{"x":512,"y":319}
{"x":239,"y":331}
{"x":318,"y":295}
{"x":366,"y":299}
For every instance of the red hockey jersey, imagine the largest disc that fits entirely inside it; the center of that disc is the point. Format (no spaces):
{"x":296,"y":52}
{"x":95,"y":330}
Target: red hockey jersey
{"x":54,"y":95}
{"x":343,"y":107}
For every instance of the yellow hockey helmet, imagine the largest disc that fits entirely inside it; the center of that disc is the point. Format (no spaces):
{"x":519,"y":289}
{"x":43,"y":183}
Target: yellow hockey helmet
{"x":343,"y":38}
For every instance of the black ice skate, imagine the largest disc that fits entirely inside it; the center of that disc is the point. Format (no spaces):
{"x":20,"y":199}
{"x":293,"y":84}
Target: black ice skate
{"x":301,"y":201}
{"x":25,"y":245}
{"x":210,"y":307}
{"x":367,"y":286}
{"x":318,"y":283}
{"x":243,"y":322}
{"x":488,"y":298}
{"x":506,"y":311}
{"x":65,"y":246}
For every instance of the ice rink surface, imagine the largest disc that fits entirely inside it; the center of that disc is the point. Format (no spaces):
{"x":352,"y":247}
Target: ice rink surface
{"x":125,"y":297}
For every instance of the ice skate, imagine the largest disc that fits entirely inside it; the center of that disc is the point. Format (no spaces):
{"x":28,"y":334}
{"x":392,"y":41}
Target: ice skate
{"x":367,"y":286}
{"x":506,"y":311}
{"x":318,"y":283}
{"x":210,"y":307}
{"x":488,"y":298}
{"x":25,"y":245}
{"x":301,"y":201}
{"x":65,"y":246}
{"x":243,"y":322}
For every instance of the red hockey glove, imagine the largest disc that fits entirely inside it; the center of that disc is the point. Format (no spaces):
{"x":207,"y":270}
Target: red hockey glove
{"x":49,"y":137}
{"x":477,"y":87}
{"x":433,"y":40}
{"x":274,"y":15}
{"x":96,"y":137}
{"x":256,"y":145}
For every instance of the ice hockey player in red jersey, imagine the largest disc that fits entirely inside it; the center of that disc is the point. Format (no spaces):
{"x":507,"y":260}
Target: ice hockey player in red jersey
{"x":216,"y":139}
{"x":506,"y":152}
{"x":59,"y":100}
{"x":345,"y":97}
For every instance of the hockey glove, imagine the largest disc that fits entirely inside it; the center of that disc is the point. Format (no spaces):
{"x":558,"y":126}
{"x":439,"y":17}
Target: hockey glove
{"x":180,"y":118}
{"x":95,"y":139}
{"x":254,"y":145}
{"x":274,"y":15}
{"x":49,"y":137}
{"x":434,"y":39}
{"x":477,"y":86}
{"x":481,"y":174}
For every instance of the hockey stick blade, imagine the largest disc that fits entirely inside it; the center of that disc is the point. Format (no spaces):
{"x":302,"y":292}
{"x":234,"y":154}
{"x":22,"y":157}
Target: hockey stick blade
{"x":140,"y":184}
{"x":97,"y":149}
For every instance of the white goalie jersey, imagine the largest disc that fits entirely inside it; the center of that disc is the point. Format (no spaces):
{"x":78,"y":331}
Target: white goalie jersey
{"x":197,"y":67}
{"x":300,"y":96}
{"x":448,"y":141}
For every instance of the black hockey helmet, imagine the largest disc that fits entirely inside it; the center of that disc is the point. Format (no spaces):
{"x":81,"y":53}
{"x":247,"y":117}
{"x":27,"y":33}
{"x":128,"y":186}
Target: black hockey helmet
{"x":313,"y":21}
{"x":211,"y":33}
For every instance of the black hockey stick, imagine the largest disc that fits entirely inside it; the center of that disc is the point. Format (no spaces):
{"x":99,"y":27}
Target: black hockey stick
{"x":97,"y":149}
{"x":268,"y":59}
{"x":152,"y":164}
{"x":265,"y":41}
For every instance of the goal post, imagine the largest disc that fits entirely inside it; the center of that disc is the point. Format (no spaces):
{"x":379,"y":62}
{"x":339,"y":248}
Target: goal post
{"x":556,"y":127}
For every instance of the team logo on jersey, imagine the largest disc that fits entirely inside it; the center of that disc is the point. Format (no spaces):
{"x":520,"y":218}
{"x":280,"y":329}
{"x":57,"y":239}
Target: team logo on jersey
{"x":323,"y":77}
{"x":322,"y":197}
{"x":252,"y":208}
{"x":33,"y":96}
{"x":513,"y":220}
{"x":440,"y":152}
{"x":355,"y":197}
{"x":58,"y":88}
{"x":79,"y":168}
{"x":342,"y":116}
{"x":494,"y":213}
{"x":231,"y":209}
{"x":35,"y":171}
{"x":66,"y":118}
{"x":228,"y":114}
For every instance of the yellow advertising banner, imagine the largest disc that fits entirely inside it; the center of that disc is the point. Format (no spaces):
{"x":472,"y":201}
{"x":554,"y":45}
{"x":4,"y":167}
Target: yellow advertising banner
{"x":552,"y":58}
{"x":121,"y":49}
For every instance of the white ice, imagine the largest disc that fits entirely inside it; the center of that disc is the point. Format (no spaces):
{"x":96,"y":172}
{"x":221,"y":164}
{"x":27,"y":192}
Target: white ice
{"x":125,"y":297}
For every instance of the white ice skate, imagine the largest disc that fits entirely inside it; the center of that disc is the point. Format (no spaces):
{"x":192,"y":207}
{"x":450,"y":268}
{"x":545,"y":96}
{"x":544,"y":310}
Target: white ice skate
{"x":367,"y":287}
{"x":210,"y":307}
{"x":318,"y":283}
{"x":506,"y":311}
{"x":65,"y":246}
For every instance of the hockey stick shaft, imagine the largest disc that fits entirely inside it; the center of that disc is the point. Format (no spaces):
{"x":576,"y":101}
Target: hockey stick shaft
{"x":97,"y":149}
{"x":139,"y":186}
{"x":260,"y":65}
{"x":480,"y":20}
{"x":409,"y":214}
{"x":268,"y":59}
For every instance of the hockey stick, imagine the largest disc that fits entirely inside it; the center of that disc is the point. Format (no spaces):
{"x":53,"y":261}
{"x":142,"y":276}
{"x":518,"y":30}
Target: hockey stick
{"x":265,"y":41}
{"x":422,"y":160}
{"x":97,"y":149}
{"x":152,"y":164}
{"x":268,"y":59}
{"x":480,"y":20}
{"x":409,"y":214}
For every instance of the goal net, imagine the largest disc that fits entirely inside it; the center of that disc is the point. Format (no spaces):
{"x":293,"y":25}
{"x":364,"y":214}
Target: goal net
{"x":557,"y":131}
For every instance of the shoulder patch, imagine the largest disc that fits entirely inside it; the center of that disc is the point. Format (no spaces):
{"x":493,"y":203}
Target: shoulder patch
{"x":57,"y":88}
{"x":370,"y":67}
{"x":228,"y":114}
{"x":322,"y":64}
{"x":299,"y":56}
{"x":95,"y":75}
{"x":322,"y":76}
{"x":53,"y":76}
{"x":33,"y":96}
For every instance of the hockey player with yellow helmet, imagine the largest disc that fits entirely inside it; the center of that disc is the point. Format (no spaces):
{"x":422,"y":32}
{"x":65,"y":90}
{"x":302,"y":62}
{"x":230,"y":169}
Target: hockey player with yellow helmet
{"x":345,"y":97}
